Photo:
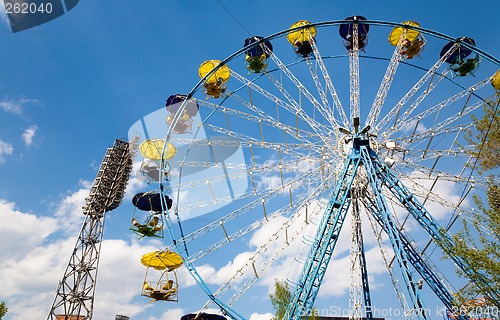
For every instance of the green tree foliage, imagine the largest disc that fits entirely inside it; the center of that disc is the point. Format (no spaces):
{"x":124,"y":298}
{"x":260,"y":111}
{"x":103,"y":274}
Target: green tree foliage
{"x":487,"y":136}
{"x":479,"y":243}
{"x":479,"y":239}
{"x":3,"y":309}
{"x":281,"y":299}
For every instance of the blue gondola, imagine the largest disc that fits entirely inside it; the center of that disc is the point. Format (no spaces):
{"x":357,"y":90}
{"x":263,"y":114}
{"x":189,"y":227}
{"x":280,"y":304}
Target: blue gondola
{"x":463,"y":61}
{"x":152,"y":224}
{"x":150,"y":201}
{"x":185,"y":120}
{"x":346,"y":32}
{"x":174,"y":102}
{"x":256,"y":56}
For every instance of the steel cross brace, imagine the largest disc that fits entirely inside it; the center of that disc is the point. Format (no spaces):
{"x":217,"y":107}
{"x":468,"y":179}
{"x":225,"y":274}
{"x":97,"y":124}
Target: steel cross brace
{"x":392,"y":231}
{"x":325,"y":241}
{"x":329,"y":229}
{"x":424,"y":218}
{"x":425,"y":271}
{"x":364,"y":273}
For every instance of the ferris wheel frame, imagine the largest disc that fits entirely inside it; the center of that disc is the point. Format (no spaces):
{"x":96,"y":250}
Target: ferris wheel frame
{"x":378,"y":173}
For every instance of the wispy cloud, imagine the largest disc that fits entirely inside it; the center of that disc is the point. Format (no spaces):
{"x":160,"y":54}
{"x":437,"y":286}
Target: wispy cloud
{"x":5,"y":149}
{"x":173,"y":313}
{"x":29,"y":134}
{"x":3,"y":14}
{"x":27,"y":242}
{"x":15,"y":105}
{"x":258,"y":316}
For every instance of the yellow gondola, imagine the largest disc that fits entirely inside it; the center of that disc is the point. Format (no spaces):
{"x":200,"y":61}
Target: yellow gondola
{"x":411,"y":41}
{"x":183,"y":125}
{"x":165,"y":288}
{"x":301,"y":39}
{"x":495,"y":80}
{"x":215,"y":84}
{"x":399,"y":34}
{"x":152,"y":149}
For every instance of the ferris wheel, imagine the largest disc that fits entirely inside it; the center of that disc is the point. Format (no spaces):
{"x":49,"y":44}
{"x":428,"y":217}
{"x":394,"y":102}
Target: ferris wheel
{"x":291,"y":149}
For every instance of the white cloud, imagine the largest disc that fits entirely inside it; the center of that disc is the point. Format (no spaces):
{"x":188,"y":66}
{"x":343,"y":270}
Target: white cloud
{"x":258,"y":316}
{"x":15,"y":105}
{"x":289,"y":265}
{"x":22,"y":252}
{"x":136,"y":182}
{"x":337,"y":280}
{"x":448,"y":191}
{"x":29,"y":134}
{"x":32,"y":261}
{"x":175,"y":313}
{"x":268,"y":181}
{"x":69,"y":210}
{"x":120,"y":271}
{"x":5,"y":149}
{"x":26,"y":226}
{"x":212,"y":275}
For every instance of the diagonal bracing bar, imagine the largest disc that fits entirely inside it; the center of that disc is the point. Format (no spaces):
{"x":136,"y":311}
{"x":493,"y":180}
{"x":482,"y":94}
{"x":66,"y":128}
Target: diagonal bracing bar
{"x":325,"y":241}
{"x":429,"y":224}
{"x":417,"y":261}
{"x":357,"y":239}
{"x":379,"y":175}
{"x":392,"y":231}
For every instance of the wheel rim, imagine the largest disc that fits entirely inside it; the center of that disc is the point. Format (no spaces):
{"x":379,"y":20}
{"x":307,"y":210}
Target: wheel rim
{"x":278,"y":163}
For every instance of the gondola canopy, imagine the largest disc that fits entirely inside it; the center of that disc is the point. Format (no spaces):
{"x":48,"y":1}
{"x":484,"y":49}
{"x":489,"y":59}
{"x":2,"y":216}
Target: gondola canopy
{"x":495,"y":80}
{"x":300,"y":36}
{"x":401,"y":33}
{"x":345,"y":29}
{"x":221,"y":75}
{"x":161,"y":260}
{"x":152,"y":149}
{"x":256,"y":56}
{"x":462,"y":59}
{"x":265,"y":48}
{"x":460,"y":53}
{"x":151,"y":201}
{"x":174,"y":102}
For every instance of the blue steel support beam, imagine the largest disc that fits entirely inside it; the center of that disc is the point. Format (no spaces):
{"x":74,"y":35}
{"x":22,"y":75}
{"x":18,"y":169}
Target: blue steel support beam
{"x":325,"y":241}
{"x":392,"y":231}
{"x":364,"y":273}
{"x":424,"y":218}
{"x":418,"y":263}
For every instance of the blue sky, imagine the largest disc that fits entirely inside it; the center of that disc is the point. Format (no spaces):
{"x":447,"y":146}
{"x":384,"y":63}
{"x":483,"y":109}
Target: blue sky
{"x":68,"y":88}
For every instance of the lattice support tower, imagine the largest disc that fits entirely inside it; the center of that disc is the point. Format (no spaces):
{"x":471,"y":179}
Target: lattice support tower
{"x":75,"y":293}
{"x":379,"y":176}
{"x":360,"y":290}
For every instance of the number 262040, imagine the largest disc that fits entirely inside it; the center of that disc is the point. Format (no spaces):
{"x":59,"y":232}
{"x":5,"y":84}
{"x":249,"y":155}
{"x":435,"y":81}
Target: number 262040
{"x":28,"y":8}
